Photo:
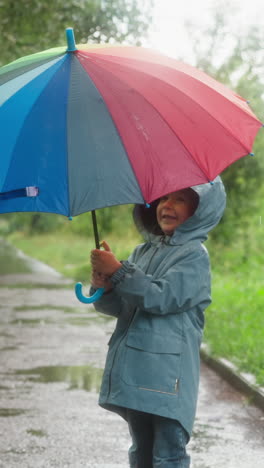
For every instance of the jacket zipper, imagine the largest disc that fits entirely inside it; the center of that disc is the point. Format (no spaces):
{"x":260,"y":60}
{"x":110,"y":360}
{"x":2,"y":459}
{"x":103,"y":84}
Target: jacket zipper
{"x":132,"y":318}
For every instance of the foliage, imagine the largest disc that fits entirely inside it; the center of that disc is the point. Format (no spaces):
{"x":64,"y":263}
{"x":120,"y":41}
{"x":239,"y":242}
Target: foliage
{"x":69,"y":253}
{"x":29,"y":223}
{"x":241,"y":67}
{"x":234,"y":322}
{"x":30,"y":26}
{"x":117,"y":219}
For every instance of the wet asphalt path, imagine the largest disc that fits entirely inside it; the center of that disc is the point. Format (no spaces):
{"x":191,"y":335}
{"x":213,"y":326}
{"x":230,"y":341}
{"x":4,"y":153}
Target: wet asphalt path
{"x":52,"y":354}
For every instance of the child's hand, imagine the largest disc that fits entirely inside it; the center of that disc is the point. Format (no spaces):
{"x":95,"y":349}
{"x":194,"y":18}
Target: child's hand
{"x":99,"y":280}
{"x":104,"y":261}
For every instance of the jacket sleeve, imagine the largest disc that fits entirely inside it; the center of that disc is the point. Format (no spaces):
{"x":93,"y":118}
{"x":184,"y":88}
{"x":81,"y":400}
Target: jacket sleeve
{"x":185,"y":284}
{"x":111,"y":303}
{"x":108,"y":304}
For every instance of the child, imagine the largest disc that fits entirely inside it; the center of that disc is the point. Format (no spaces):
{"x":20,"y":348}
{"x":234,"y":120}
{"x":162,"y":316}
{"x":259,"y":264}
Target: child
{"x":158,"y":297}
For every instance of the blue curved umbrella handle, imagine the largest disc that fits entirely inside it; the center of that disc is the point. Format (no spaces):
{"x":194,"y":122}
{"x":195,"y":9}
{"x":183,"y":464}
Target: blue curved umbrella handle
{"x":88,"y":300}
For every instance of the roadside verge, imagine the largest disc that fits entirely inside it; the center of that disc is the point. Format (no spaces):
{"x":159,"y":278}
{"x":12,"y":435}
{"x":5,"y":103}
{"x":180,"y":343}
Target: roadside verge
{"x":242,"y":382}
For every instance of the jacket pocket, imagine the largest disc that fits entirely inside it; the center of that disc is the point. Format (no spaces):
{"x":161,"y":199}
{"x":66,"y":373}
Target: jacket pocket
{"x":152,"y":361}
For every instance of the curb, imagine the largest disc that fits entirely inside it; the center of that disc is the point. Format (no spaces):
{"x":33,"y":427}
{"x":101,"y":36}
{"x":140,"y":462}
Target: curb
{"x":228,"y":371}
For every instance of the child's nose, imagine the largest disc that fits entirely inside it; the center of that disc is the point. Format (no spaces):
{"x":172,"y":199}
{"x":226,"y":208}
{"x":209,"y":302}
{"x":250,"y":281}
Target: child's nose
{"x":168,"y":202}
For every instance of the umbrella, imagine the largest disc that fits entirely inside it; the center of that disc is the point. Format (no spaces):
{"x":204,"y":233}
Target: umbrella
{"x":92,"y":126}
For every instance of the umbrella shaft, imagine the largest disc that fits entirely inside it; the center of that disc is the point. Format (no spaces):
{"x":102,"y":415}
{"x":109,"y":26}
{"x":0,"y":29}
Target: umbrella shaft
{"x":96,"y":236}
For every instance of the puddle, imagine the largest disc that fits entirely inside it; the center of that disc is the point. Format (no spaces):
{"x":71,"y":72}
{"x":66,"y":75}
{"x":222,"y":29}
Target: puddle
{"x":5,"y":282}
{"x":200,"y":430}
{"x":7,"y":412}
{"x":8,"y":348}
{"x":6,"y":335}
{"x":80,"y":321}
{"x":37,"y":432}
{"x":78,"y":377}
{"x":30,"y":322}
{"x":201,"y":439}
{"x":47,"y":315}
{"x":85,"y":318}
{"x":50,"y":307}
{"x":16,"y":451}
{"x":204,"y":436}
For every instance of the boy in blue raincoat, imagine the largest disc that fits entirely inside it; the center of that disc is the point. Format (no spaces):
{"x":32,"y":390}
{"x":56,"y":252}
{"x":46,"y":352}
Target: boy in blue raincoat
{"x":159,"y":296}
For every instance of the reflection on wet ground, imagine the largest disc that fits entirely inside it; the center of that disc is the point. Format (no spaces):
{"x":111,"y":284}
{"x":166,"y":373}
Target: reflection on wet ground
{"x":7,"y":412}
{"x":52,"y":358}
{"x":48,"y":314}
{"x":8,"y":348}
{"x":30,"y":322}
{"x":83,"y":377}
{"x":37,"y":432}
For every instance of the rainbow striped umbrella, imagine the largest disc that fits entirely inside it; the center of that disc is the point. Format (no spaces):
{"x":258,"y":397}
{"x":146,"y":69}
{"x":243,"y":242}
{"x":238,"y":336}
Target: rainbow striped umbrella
{"x":93,"y":126}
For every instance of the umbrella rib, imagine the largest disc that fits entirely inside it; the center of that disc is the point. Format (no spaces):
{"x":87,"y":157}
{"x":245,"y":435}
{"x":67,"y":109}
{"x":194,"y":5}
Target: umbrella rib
{"x":27,"y":114}
{"x":8,"y":75}
{"x":165,"y":121}
{"x":183,"y":92}
{"x":118,"y":132}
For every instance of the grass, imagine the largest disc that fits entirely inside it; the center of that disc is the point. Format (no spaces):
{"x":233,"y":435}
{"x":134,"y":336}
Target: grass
{"x":10,"y":263}
{"x":234,"y":322}
{"x":69,"y":253}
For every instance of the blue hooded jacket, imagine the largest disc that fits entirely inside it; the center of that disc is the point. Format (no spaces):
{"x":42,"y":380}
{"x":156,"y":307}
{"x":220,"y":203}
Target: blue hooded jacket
{"x":159,"y":297}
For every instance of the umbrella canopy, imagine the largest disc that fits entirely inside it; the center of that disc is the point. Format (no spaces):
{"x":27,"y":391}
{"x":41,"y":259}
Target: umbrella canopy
{"x":96,"y":126}
{"x":93,"y":126}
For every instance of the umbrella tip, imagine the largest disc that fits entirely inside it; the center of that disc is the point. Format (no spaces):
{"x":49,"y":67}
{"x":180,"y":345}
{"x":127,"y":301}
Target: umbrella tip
{"x":70,"y":40}
{"x":70,"y":218}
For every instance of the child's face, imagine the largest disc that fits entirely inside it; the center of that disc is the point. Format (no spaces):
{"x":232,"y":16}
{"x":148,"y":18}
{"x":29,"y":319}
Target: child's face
{"x":175,"y":208}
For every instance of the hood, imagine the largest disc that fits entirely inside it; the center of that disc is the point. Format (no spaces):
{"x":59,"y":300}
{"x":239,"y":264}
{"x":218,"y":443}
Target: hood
{"x":212,"y":203}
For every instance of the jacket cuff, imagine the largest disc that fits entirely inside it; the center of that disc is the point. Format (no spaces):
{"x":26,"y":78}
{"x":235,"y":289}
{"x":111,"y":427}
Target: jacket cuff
{"x":119,"y":275}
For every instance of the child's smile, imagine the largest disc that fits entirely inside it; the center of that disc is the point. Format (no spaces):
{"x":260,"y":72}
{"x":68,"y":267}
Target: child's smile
{"x":175,"y":208}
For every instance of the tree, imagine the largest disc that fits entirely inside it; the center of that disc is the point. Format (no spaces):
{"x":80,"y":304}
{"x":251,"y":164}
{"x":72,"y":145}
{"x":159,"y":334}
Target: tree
{"x":236,"y":60}
{"x":28,"y":26}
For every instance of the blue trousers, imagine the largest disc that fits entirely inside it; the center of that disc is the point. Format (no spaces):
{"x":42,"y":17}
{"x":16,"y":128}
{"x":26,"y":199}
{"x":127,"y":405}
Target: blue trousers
{"x":158,"y":442}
